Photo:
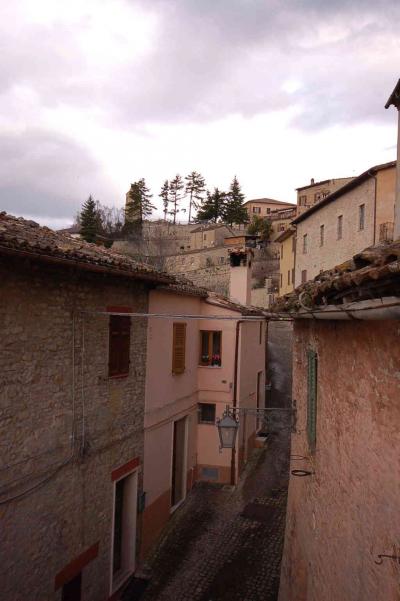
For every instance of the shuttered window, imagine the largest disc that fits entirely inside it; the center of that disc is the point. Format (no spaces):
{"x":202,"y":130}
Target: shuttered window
{"x":178,"y":348}
{"x":119,"y":345}
{"x":312,"y":360}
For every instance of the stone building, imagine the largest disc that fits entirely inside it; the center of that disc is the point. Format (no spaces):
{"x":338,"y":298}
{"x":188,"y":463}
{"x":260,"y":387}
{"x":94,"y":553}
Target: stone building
{"x":314,"y":192}
{"x":262,"y":207}
{"x":72,"y":403}
{"x":209,"y":235}
{"x":358,"y":215}
{"x":342,"y":519}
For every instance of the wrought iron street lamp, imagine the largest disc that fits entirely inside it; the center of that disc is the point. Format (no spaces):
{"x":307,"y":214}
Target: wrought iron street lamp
{"x":227,"y":429}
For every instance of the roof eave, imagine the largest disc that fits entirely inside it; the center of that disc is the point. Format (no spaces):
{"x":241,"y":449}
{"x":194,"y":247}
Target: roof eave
{"x":394,"y":98}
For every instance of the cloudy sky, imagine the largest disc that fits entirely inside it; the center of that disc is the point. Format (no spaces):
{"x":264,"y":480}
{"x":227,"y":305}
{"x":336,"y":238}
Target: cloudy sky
{"x":95,"y":94}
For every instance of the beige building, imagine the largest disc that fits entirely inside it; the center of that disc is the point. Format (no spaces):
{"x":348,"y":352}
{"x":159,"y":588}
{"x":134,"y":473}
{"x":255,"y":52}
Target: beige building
{"x":263,"y":207}
{"x":280,"y":221}
{"x":287,"y":242}
{"x":354,"y":217}
{"x":308,"y":196}
{"x":209,"y":236}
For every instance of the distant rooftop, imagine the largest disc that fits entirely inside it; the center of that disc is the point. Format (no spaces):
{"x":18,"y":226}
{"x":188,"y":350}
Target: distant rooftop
{"x":322,"y":182}
{"x":268,"y":201}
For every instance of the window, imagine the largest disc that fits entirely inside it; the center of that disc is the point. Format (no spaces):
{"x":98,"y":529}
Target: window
{"x":281,"y":280}
{"x":292,"y":276}
{"x":340,"y":227}
{"x":119,"y":345}
{"x":281,"y":251}
{"x":71,"y":591}
{"x":281,"y":227}
{"x":124,"y":528}
{"x":268,"y":210}
{"x":210,"y":348}
{"x":305,"y":244}
{"x":257,"y":210}
{"x":288,"y":276}
{"x":318,"y":196}
{"x":205,"y":236}
{"x":206,"y":413}
{"x":312,"y":368}
{"x":304,"y":276}
{"x":178,"y":348}
{"x":361,"y":217}
{"x":260,"y":334}
{"x":321,"y":235}
{"x":293,"y":243}
{"x":303,"y":200}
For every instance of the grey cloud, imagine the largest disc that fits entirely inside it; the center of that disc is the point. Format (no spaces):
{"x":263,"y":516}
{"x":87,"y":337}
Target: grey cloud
{"x":47,"y":175}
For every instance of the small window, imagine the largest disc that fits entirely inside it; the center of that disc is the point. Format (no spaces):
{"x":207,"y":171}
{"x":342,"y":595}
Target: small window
{"x":293,"y":243}
{"x":305,"y":244}
{"x":292,"y":276}
{"x":268,"y":211}
{"x":206,"y":413}
{"x":303,"y":200}
{"x":361,"y":217}
{"x":72,"y":590}
{"x":321,"y":235}
{"x":281,"y":251}
{"x":210,"y":351}
{"x":304,"y":276}
{"x":205,"y":237}
{"x":178,"y":348}
{"x":281,"y":280}
{"x":340,"y":227}
{"x":257,"y":210}
{"x":288,"y":276}
{"x":312,"y":366}
{"x":260,"y":334}
{"x":119,"y":345}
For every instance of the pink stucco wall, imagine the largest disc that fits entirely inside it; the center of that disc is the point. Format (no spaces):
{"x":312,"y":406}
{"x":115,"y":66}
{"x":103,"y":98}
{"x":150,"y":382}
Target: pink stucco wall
{"x":341,"y":518}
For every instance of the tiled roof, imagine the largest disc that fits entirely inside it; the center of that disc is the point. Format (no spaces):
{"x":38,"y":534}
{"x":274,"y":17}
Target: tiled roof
{"x":225,"y":303}
{"x":372,"y":273}
{"x":269,"y":201}
{"x":19,"y":236}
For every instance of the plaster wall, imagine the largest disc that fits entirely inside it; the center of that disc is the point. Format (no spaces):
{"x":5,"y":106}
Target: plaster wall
{"x":341,"y":519}
{"x":385,"y":194}
{"x":55,"y":380}
{"x":286,"y":266}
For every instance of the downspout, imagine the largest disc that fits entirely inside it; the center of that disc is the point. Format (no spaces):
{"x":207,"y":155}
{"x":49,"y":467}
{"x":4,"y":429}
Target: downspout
{"x":234,"y":400}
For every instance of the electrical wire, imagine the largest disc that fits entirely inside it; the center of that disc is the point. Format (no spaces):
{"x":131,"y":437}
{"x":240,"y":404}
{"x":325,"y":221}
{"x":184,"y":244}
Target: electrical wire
{"x":182,"y":316}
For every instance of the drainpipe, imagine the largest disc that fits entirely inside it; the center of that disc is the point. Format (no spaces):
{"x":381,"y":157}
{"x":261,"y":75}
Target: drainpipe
{"x":234,"y":400}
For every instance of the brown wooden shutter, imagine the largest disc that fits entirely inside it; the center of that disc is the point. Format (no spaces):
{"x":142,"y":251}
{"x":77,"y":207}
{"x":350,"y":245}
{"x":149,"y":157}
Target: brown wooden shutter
{"x":178,"y":348}
{"x":119,"y":345}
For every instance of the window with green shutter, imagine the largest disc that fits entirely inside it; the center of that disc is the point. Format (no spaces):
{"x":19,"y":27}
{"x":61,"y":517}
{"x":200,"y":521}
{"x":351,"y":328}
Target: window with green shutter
{"x":312,"y":360}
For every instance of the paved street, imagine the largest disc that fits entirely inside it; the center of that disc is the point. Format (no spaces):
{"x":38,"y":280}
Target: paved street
{"x":226,"y":544}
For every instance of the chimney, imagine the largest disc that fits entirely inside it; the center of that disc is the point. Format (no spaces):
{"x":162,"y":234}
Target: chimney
{"x":312,"y":181}
{"x":240,"y":275}
{"x":394,"y":100}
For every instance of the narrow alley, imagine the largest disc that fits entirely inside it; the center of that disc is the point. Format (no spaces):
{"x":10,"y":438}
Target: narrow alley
{"x":226,"y":543}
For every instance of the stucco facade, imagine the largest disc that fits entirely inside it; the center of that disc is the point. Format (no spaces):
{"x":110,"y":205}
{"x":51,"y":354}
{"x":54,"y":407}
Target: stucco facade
{"x":308,"y":196}
{"x":287,"y":242}
{"x":171,"y":397}
{"x":263,"y":207}
{"x":344,"y":516}
{"x":332,"y":232}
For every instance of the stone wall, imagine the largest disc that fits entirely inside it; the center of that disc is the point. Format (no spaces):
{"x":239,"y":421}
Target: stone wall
{"x":55,"y":383}
{"x":345,"y":515}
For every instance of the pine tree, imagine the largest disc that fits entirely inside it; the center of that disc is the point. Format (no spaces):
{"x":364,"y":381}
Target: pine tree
{"x":175,"y":195}
{"x":164,"y":194}
{"x":195,"y":187}
{"x":89,"y":220}
{"x":138,"y":207}
{"x":212,"y":207}
{"x":235,"y":212}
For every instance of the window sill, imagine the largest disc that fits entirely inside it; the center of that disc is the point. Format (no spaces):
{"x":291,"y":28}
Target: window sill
{"x":210,"y":366}
{"x":117,"y":376}
{"x":206,"y":423}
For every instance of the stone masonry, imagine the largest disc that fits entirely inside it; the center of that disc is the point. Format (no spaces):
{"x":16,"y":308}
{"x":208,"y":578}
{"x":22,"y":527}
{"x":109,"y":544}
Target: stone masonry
{"x":56,"y":390}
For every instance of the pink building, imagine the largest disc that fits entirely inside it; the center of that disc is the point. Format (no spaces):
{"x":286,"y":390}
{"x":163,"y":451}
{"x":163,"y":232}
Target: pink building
{"x":195,"y":367}
{"x":343,"y":511}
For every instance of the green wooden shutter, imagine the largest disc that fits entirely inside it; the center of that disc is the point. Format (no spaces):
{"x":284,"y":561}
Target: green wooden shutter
{"x":312,"y":360}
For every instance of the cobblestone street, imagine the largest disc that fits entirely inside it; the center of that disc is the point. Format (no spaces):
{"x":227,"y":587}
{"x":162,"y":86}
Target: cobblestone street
{"x":225,"y":544}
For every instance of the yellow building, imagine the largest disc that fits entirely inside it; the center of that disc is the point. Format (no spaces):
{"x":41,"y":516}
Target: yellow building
{"x":287,"y":243}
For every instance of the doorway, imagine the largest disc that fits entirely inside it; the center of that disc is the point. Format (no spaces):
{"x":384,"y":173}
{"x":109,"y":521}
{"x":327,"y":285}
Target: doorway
{"x":179,"y":462}
{"x":124,"y":529}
